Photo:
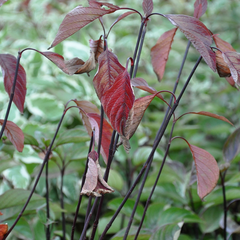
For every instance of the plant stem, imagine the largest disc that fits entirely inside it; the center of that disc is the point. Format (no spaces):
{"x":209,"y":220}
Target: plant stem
{"x":155,"y":145}
{"x":11,"y":95}
{"x":62,"y":203}
{"x":47,"y":203}
{"x":222,"y":176}
{"x":38,"y":176}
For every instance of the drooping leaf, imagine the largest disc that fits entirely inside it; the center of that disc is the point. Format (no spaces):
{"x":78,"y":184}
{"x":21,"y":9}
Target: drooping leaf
{"x":207,"y":170}
{"x":160,"y":52}
{"x":118,"y":100}
{"x":78,"y":18}
{"x":147,"y":6}
{"x":96,"y":47}
{"x":200,"y":7}
{"x":233,"y":61}
{"x":94,"y":184}
{"x":2,"y":2}
{"x":198,"y":34}
{"x":222,"y":67}
{"x":142,"y":84}
{"x":231,"y":147}
{"x":14,"y":134}
{"x":208,"y":114}
{"x":8,"y":64}
{"x":3,"y":230}
{"x":109,"y":68}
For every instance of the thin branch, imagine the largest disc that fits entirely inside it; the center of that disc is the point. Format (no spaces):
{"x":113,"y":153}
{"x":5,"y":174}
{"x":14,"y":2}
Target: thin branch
{"x":222,"y":176}
{"x":62,"y":204}
{"x":48,"y":233}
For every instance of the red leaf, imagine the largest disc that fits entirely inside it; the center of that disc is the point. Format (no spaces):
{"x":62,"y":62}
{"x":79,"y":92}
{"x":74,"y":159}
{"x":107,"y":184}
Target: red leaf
{"x":109,"y":68}
{"x":77,"y":19}
{"x":95,"y":120}
{"x":231,"y":81}
{"x":208,"y":114}
{"x":2,"y":2}
{"x":3,"y":230}
{"x":142,"y":84}
{"x":8,"y":64}
{"x":14,"y":134}
{"x":222,"y":45}
{"x":147,"y":6}
{"x":198,"y":34}
{"x":118,"y":100}
{"x":200,"y":7}
{"x":160,"y":52}
{"x":94,"y":3}
{"x":233,"y":61}
{"x":207,"y":170}
{"x":96,"y":47}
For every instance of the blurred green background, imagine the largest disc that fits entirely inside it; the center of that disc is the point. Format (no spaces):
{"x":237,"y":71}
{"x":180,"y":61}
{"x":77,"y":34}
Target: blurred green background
{"x":35,"y":24}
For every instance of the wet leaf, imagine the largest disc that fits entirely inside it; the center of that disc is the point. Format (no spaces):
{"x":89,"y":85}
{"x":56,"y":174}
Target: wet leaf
{"x":108,"y":70}
{"x":118,"y":100}
{"x":160,"y":52}
{"x":8,"y":64}
{"x":14,"y":134}
{"x":231,"y":147}
{"x":200,"y":7}
{"x":80,"y":17}
{"x":147,"y":6}
{"x":198,"y":34}
{"x":233,"y":61}
{"x":207,"y":170}
{"x":94,"y":184}
{"x":3,"y":230}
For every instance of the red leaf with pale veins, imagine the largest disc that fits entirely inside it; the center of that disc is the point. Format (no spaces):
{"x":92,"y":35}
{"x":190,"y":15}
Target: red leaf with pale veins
{"x":233,"y":61}
{"x":8,"y":64}
{"x":207,"y":170}
{"x":77,"y":19}
{"x":2,"y":2}
{"x":198,"y":34}
{"x":14,"y":134}
{"x":208,"y":114}
{"x":3,"y":230}
{"x":95,"y":120}
{"x":109,"y":68}
{"x":200,"y":7}
{"x":142,"y":84}
{"x":160,"y":52}
{"x":118,"y":100}
{"x":147,"y":6}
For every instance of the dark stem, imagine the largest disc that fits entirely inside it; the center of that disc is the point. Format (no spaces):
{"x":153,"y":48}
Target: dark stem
{"x":105,"y":177}
{"x":62,"y":203}
{"x":48,"y":233}
{"x":150,"y":162}
{"x":38,"y":176}
{"x":222,"y":176}
{"x":11,"y":95}
{"x":80,"y":197}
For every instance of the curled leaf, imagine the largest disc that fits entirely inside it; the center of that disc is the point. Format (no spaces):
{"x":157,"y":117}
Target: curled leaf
{"x":160,"y":52}
{"x":222,"y":68}
{"x":200,"y":7}
{"x":8,"y":64}
{"x":198,"y":34}
{"x":96,"y":47}
{"x":94,"y":184}
{"x":14,"y":134}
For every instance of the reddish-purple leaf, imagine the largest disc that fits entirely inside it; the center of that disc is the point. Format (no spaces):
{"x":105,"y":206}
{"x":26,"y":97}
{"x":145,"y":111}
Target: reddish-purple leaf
{"x":109,"y":68}
{"x":77,"y":19}
{"x":208,"y":114}
{"x":231,"y":147}
{"x":96,"y":47}
{"x":233,"y":61}
{"x":94,"y":184}
{"x":118,"y":100}
{"x":207,"y":170}
{"x":231,"y":81}
{"x":198,"y":34}
{"x":142,"y":84}
{"x":222,"y":45}
{"x":2,"y":2}
{"x":95,"y":120}
{"x":147,"y":6}
{"x":200,"y":7}
{"x":94,"y":3}
{"x":14,"y":134}
{"x":160,"y":52}
{"x":8,"y":64}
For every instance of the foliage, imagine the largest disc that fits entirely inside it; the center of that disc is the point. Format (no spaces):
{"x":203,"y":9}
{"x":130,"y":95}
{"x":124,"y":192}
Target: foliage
{"x":175,"y":210}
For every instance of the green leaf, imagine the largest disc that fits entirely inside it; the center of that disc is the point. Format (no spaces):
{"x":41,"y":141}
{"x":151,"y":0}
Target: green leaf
{"x":144,"y":234}
{"x":30,"y":140}
{"x":115,"y":180}
{"x":153,"y":213}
